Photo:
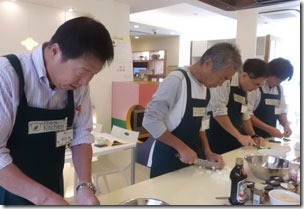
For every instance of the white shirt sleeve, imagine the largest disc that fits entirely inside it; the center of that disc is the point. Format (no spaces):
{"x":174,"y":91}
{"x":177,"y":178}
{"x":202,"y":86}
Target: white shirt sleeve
{"x":219,"y":99}
{"x":253,"y":98}
{"x":283,"y":105}
{"x":162,"y":102}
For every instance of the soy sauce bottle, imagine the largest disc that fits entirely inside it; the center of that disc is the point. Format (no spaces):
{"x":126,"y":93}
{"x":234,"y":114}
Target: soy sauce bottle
{"x":238,"y":179}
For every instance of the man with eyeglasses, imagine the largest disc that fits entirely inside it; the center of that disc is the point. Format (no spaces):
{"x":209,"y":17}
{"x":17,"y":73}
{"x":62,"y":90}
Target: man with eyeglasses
{"x":230,"y":125}
{"x":268,"y":101}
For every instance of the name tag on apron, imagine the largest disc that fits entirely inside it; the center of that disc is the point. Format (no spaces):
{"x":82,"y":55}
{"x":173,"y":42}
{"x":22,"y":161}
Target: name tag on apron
{"x":244,"y":108}
{"x":64,"y":137}
{"x":36,"y":127}
{"x":199,"y":111}
{"x":205,"y":122}
{"x":239,"y":99}
{"x":277,"y":111}
{"x":273,"y":102}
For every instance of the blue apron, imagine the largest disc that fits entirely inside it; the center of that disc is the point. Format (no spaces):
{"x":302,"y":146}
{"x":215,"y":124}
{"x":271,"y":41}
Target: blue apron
{"x":36,"y":154}
{"x":266,"y":113}
{"x":164,"y":159}
{"x":219,"y":139}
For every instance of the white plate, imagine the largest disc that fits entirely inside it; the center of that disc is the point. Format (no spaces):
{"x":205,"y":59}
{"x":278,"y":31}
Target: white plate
{"x":272,"y":152}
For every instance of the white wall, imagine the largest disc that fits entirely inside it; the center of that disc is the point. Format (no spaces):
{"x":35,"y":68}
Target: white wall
{"x":21,"y":19}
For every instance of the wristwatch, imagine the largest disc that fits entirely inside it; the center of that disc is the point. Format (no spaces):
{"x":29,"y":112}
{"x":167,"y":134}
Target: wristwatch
{"x":90,"y":185}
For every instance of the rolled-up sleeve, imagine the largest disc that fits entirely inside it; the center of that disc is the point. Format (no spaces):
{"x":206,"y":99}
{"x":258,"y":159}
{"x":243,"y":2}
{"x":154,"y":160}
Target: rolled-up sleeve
{"x":253,"y":98}
{"x":83,"y":119}
{"x":246,"y":115}
{"x":283,"y":105}
{"x":162,"y":101}
{"x":219,"y":99}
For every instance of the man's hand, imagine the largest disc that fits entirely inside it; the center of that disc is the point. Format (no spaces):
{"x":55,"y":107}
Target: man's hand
{"x":260,"y":141}
{"x":287,"y":131}
{"x":187,"y":155}
{"x":213,"y":157}
{"x":85,"y":196}
{"x":246,"y":140}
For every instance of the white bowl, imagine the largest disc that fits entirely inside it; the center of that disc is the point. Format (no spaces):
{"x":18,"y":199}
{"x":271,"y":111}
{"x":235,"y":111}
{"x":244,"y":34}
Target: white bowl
{"x":283,"y":197}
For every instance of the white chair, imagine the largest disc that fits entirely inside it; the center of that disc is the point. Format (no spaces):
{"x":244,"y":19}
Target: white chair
{"x":97,"y":128}
{"x":118,"y":162}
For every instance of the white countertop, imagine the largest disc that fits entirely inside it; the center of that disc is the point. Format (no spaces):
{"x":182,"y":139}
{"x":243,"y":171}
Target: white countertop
{"x":192,"y":185}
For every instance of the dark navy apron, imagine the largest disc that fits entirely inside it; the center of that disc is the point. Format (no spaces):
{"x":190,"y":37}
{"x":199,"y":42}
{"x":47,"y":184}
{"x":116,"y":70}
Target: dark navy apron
{"x":219,"y":139}
{"x":266,"y":113}
{"x":164,"y":157}
{"x":36,"y":154}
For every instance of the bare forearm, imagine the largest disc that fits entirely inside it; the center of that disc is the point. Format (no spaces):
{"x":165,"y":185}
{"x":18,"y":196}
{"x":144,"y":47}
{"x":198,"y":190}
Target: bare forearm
{"x":247,"y":125}
{"x":260,"y":124}
{"x":226,"y":124}
{"x":171,"y":140}
{"x":15,"y":181}
{"x":205,"y":143}
{"x":283,"y":120}
{"x":82,"y":160}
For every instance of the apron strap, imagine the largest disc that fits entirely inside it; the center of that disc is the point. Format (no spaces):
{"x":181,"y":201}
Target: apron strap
{"x":13,"y":59}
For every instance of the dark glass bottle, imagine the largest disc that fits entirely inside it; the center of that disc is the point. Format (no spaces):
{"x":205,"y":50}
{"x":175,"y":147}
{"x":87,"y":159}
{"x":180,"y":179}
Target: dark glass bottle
{"x":238,"y":179}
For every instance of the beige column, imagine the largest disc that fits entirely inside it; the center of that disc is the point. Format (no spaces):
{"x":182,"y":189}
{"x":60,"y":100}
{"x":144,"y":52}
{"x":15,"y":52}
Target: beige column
{"x":246,"y":32}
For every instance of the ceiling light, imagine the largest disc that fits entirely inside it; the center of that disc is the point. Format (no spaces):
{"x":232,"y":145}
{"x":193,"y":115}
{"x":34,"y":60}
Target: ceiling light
{"x":136,"y":26}
{"x":29,"y":43}
{"x":136,"y":37}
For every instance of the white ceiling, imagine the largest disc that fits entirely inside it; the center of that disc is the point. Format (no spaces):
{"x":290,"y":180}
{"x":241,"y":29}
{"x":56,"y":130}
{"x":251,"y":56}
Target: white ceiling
{"x":193,"y":18}
{"x":188,"y":17}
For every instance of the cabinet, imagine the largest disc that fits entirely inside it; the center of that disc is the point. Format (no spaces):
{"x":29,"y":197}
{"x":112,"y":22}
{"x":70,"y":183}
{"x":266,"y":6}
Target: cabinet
{"x":264,"y":47}
{"x":147,"y":63}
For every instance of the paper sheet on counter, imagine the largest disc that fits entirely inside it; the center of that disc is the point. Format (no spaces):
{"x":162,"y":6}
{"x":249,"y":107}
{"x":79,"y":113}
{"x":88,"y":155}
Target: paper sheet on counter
{"x":110,"y":140}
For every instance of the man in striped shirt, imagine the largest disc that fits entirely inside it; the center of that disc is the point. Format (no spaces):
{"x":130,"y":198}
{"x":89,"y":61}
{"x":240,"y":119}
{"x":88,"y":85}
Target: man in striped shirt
{"x":45,"y":106}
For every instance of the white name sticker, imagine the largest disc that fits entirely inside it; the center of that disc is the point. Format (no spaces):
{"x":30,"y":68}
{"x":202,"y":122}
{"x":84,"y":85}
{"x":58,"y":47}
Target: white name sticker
{"x":36,"y":127}
{"x":64,"y":137}
{"x":277,"y":111}
{"x":274,"y":102}
{"x":239,"y":99}
{"x":199,"y":111}
{"x":205,"y":122}
{"x":244,"y":108}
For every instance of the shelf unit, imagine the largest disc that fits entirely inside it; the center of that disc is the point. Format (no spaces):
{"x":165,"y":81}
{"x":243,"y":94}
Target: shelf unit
{"x":153,"y":61}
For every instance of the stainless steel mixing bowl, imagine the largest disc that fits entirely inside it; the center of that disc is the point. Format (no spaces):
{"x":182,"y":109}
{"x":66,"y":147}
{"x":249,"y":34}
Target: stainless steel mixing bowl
{"x":265,"y":166}
{"x":144,"y":201}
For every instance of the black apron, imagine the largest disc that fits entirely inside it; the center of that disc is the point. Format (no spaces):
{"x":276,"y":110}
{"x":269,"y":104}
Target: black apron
{"x":266,"y":113}
{"x":36,"y":154}
{"x":164,"y":157}
{"x":219,"y":139}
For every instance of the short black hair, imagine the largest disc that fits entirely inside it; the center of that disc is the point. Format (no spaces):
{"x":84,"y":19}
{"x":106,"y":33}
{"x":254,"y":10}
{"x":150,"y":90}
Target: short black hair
{"x":256,"y":68}
{"x":84,"y":36}
{"x":280,"y":68}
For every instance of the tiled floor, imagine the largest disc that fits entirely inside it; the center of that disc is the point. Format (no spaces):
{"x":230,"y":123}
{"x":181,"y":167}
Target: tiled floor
{"x":116,"y":181}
